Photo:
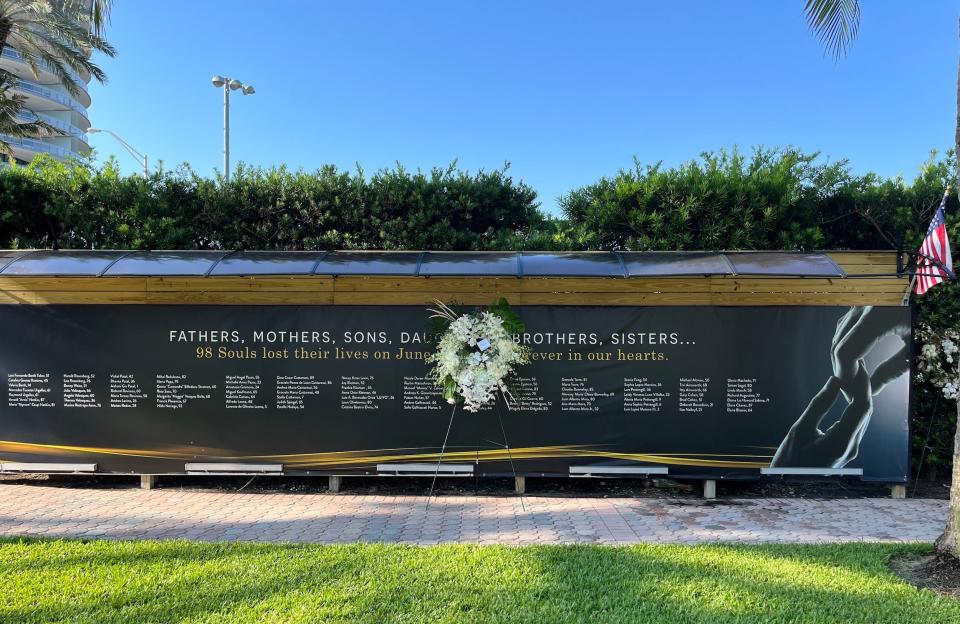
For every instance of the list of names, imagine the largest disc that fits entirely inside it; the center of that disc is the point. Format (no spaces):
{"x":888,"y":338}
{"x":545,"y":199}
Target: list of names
{"x":421,"y":393}
{"x":175,"y":392}
{"x":29,"y":390}
{"x":125,"y":392}
{"x":742,"y":396}
{"x":528,"y":397}
{"x":357,"y":392}
{"x":78,"y":390}
{"x":693,"y":394}
{"x":293,"y":390}
{"x":640,"y":394}
{"x":576,"y":395}
{"x":242,"y":391}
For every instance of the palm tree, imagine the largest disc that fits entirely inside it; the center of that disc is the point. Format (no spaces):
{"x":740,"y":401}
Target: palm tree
{"x":836,"y":23}
{"x":16,"y":120}
{"x":60,"y":34}
{"x":57,"y":33}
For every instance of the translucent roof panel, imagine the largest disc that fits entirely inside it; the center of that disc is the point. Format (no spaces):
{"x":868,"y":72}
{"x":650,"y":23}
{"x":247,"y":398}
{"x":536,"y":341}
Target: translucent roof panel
{"x":76,"y":262}
{"x":470,"y":263}
{"x":268,"y":263}
{"x":9,"y":255}
{"x":666,"y":263}
{"x":786,"y":264}
{"x":413,"y":263}
{"x":574,"y":264}
{"x":369,"y":263}
{"x":166,"y":263}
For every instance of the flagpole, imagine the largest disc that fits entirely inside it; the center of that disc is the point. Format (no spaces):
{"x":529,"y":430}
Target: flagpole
{"x":906,"y":295}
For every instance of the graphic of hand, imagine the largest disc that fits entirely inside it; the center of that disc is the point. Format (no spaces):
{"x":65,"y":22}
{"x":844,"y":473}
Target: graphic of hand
{"x":858,"y":332}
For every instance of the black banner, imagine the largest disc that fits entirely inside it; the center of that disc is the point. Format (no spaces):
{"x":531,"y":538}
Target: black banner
{"x":698,"y":391}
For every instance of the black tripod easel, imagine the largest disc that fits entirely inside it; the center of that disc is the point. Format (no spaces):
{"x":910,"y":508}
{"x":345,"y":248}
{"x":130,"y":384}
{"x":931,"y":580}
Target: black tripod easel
{"x":446,"y":438}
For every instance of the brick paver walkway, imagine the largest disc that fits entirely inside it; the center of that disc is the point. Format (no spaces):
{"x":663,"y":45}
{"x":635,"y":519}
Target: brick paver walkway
{"x":30,"y":510}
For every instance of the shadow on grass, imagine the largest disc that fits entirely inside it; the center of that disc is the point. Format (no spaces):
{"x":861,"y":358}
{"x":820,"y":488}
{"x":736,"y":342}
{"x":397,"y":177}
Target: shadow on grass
{"x":104,"y":582}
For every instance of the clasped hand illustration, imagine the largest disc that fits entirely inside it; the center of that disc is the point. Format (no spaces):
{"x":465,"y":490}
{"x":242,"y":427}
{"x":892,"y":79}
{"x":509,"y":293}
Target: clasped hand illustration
{"x":858,"y":333}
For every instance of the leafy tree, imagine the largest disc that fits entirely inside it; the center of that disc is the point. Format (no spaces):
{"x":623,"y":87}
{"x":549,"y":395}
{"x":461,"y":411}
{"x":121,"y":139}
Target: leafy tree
{"x":725,"y":200}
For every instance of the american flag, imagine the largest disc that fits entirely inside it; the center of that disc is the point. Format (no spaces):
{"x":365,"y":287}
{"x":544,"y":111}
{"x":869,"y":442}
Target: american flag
{"x":935,"y":247}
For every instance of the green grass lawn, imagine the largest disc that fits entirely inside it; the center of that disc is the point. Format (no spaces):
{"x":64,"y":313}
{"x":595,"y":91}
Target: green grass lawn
{"x":101,"y":581}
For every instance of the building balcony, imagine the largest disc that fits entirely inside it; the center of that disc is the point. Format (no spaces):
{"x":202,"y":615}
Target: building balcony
{"x":41,"y":98}
{"x":26,"y":149}
{"x":68,"y":129}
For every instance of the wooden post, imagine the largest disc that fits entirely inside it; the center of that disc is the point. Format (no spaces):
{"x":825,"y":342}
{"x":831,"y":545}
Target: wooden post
{"x":520,"y":485}
{"x":898,"y":490}
{"x":710,"y":489}
{"x":148,"y":482}
{"x":335,"y":483}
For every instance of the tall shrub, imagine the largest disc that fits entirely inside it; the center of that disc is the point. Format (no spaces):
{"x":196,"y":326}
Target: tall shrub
{"x":51,"y":204}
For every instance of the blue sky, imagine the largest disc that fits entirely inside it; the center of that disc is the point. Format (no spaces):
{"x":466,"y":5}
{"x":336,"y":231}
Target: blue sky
{"x":566,"y":92}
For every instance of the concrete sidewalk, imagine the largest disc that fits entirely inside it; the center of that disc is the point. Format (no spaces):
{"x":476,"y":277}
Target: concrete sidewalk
{"x":34,"y":510}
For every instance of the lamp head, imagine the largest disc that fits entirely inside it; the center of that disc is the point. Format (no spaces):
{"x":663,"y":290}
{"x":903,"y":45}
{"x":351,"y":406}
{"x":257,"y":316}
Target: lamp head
{"x":218,"y":81}
{"x":234,"y":85}
{"x":93,"y":130}
{"x":248,"y":90}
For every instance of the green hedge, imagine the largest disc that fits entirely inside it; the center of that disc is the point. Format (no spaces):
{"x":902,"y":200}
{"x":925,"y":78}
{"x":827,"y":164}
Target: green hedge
{"x":768,"y":199}
{"x":49,"y":204}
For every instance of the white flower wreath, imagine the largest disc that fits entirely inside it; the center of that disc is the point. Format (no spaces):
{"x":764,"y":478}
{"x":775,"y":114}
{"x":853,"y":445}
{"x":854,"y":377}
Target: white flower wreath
{"x":476,"y":353}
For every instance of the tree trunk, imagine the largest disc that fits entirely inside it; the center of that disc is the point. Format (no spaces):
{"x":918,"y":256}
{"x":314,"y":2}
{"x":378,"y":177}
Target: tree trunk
{"x":5,"y":27}
{"x":949,"y":542}
{"x":956,"y":134}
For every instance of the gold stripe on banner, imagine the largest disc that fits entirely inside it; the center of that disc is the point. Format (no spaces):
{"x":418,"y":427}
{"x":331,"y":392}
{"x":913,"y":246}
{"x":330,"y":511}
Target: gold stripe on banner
{"x":342,"y":459}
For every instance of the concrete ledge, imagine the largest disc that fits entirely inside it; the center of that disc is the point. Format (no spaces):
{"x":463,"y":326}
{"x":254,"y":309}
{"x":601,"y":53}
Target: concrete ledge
{"x":616,"y":471}
{"x":827,"y":472}
{"x":425,"y":470}
{"x":709,"y":489}
{"x":46,"y":467}
{"x":232,"y":468}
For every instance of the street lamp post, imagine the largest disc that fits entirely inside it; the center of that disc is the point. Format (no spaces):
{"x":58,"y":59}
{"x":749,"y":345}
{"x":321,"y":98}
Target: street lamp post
{"x":228,"y":84}
{"x":141,"y":158}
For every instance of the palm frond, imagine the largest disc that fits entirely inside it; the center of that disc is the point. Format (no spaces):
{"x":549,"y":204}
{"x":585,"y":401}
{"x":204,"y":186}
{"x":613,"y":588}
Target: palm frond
{"x":100,"y":15}
{"x":16,"y":119}
{"x":835,"y":23}
{"x":58,"y":35}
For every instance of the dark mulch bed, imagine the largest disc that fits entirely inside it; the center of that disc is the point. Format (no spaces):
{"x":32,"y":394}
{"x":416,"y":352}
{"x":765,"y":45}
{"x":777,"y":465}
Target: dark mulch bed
{"x":934,"y":572}
{"x":539,"y":486}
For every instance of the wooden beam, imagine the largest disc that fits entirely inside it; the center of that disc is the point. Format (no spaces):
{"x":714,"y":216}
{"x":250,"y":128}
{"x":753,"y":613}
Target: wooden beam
{"x":96,"y":284}
{"x":842,"y":298}
{"x":405,"y":290}
{"x":265,"y":283}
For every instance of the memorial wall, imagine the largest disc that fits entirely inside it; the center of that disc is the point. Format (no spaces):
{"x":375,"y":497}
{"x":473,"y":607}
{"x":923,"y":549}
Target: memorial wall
{"x":697,"y":390}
